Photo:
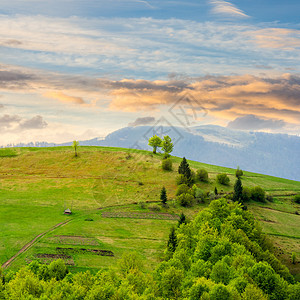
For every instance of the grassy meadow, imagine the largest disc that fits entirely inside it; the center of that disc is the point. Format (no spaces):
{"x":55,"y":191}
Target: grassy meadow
{"x":112,"y":193}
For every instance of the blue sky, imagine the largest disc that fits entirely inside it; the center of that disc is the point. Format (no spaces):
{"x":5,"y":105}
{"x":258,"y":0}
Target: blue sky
{"x":75,"y":69}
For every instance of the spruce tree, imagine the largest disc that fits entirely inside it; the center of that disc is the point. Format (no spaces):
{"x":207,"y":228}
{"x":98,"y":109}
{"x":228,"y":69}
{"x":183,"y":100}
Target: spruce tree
{"x":216,"y":191}
{"x":172,"y":242}
{"x":182,"y":219}
{"x":184,"y":169}
{"x":163,"y":195}
{"x":238,"y":190}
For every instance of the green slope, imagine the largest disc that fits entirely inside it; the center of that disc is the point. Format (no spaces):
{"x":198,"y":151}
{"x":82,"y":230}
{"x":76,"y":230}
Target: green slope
{"x":36,"y":184}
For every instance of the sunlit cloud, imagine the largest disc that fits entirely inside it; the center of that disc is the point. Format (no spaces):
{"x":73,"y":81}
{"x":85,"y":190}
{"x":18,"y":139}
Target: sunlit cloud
{"x":60,"y":96}
{"x":226,"y":9}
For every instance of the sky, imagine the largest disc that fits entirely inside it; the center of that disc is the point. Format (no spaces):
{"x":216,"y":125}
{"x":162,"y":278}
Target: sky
{"x":80,"y":69}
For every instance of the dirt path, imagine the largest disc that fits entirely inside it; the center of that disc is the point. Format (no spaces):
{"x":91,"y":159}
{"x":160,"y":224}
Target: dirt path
{"x":28,"y":245}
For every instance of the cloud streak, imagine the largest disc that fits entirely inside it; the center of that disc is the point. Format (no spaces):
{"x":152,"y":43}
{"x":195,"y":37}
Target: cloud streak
{"x":60,"y":96}
{"x":226,"y":9}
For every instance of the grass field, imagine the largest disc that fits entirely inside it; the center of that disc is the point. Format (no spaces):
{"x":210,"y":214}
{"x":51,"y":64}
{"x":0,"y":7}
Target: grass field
{"x":37,"y":184}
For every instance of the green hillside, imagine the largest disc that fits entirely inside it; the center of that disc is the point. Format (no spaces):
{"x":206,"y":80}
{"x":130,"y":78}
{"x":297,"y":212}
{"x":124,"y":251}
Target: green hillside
{"x":112,"y":194}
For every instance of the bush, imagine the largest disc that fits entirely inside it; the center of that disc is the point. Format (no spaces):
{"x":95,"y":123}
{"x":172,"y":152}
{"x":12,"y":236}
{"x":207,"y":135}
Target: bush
{"x":239,"y":172}
{"x":166,"y":164}
{"x":258,"y":194}
{"x":297,"y":199}
{"x":154,"y":207}
{"x":185,"y":200}
{"x":199,"y":195}
{"x":202,"y":175}
{"x":269,"y":198}
{"x":223,"y":179}
{"x":182,"y":189}
{"x":181,"y":179}
{"x":142,"y":204}
{"x":246,"y":194}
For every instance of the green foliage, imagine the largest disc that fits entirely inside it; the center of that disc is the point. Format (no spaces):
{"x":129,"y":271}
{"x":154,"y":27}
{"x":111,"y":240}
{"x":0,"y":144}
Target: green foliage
{"x":167,"y":145}
{"x":218,"y":255}
{"x":172,"y":242}
{"x":297,"y":199}
{"x":184,"y":169}
{"x":181,"y":179}
{"x":246,"y":194}
{"x":58,"y":269}
{"x":220,"y":292}
{"x":155,"y":142}
{"x":185,"y":199}
{"x":182,"y":219}
{"x":183,"y":189}
{"x":170,"y":284}
{"x":238,"y":191}
{"x":75,"y":145}
{"x":166,"y":164}
{"x":202,"y":175}
{"x":239,"y":172}
{"x":293,"y":258}
{"x":154,"y":207}
{"x":258,"y":194}
{"x":129,"y":261}
{"x":199,"y":195}
{"x":253,"y":293}
{"x":163,"y":195}
{"x":223,"y":179}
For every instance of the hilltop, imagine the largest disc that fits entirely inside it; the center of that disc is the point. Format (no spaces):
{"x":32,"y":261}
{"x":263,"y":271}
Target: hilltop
{"x":114,"y":196}
{"x":260,"y":152}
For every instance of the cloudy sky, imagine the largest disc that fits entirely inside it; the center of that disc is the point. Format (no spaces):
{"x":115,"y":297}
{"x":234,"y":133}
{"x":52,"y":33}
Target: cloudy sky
{"x":78,"y":69}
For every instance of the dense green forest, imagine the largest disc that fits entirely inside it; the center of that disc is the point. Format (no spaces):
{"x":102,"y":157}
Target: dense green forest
{"x":221,"y":254}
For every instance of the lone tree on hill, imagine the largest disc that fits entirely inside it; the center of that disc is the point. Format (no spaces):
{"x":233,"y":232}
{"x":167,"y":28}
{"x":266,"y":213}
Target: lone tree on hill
{"x":184,"y":169}
{"x":172,"y":242}
{"x":167,"y":146}
{"x":238,"y":190}
{"x":75,"y":146}
{"x":163,"y":195}
{"x":155,"y":142}
{"x":239,"y":172}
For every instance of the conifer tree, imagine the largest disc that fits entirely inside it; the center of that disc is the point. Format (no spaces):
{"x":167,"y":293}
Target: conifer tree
{"x":216,"y":191}
{"x":163,"y":195}
{"x":172,"y":242}
{"x":238,"y":190}
{"x":182,"y":219}
{"x":184,"y":169}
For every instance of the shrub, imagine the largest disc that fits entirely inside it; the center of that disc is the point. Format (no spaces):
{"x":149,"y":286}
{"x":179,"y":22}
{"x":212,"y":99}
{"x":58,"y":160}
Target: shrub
{"x":269,"y":198}
{"x":181,"y":179}
{"x":239,"y":172}
{"x":297,"y":199}
{"x":199,"y":195}
{"x":185,"y":200}
{"x":246,"y":194}
{"x":202,"y":175}
{"x":142,"y":204}
{"x":258,"y":194}
{"x":192,"y":178}
{"x":154,"y":207}
{"x":166,"y":164}
{"x":223,"y":179}
{"x":182,"y":189}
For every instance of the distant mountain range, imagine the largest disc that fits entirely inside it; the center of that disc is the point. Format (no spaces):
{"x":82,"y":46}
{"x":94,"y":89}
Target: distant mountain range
{"x":266,"y":153}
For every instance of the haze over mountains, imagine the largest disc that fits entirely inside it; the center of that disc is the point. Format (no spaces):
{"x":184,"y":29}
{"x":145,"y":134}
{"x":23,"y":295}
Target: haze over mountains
{"x":266,"y":153}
